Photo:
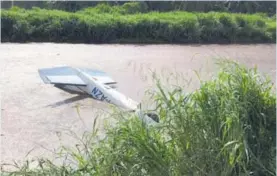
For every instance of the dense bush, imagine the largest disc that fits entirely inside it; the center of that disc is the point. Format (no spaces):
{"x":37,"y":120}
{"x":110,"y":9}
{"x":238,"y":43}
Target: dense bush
{"x":226,"y":127}
{"x":268,"y":7}
{"x":104,"y":24}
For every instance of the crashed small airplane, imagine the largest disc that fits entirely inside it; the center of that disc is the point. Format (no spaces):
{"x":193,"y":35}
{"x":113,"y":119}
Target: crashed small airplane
{"x":96,"y":84}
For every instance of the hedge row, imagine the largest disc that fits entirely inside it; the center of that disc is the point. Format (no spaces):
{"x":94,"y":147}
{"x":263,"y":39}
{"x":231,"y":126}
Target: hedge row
{"x":90,"y":26}
{"x":268,"y":7}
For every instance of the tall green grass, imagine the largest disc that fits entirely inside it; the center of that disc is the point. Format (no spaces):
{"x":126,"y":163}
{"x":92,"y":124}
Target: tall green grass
{"x":105,"y":24}
{"x":226,"y":127}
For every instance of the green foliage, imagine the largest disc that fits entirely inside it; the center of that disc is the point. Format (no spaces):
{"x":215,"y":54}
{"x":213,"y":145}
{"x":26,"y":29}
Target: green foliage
{"x":135,"y":7}
{"x":268,"y":7}
{"x":106,"y":24}
{"x":226,"y":127}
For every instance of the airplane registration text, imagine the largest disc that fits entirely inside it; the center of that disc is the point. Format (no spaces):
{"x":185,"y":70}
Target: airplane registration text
{"x":98,"y":94}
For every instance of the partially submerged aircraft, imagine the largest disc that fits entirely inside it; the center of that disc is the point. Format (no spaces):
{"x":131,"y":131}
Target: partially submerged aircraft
{"x":95,"y":83}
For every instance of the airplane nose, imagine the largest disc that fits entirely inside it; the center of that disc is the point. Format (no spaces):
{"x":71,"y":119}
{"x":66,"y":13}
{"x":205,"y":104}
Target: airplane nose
{"x":148,"y":118}
{"x":153,"y":116}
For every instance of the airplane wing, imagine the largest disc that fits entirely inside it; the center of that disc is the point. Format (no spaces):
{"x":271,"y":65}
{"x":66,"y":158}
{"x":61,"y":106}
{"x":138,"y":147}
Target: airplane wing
{"x":99,"y":76}
{"x":60,"y":75}
{"x":66,"y":78}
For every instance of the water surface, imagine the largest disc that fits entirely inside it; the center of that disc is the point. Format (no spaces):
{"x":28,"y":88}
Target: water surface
{"x":33,"y":113}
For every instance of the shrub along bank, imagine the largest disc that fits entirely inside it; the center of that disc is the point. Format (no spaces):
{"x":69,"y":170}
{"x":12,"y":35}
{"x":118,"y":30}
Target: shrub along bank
{"x":226,"y":127}
{"x":103,"y":25}
{"x":268,"y":7}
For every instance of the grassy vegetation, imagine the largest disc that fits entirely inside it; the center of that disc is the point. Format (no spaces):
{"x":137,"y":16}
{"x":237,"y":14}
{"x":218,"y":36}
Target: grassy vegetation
{"x":126,"y":24}
{"x":268,"y":7}
{"x":226,"y":127}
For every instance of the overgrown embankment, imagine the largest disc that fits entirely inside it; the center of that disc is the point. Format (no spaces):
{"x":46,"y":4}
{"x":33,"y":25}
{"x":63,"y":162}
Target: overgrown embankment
{"x":226,"y":127}
{"x":105,"y":24}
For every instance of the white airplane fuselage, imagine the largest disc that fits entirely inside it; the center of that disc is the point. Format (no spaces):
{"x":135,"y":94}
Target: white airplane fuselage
{"x":102,"y":92}
{"x":77,"y":80}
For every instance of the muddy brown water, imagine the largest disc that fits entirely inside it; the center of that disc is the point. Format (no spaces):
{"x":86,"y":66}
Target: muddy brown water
{"x":32,"y":113}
